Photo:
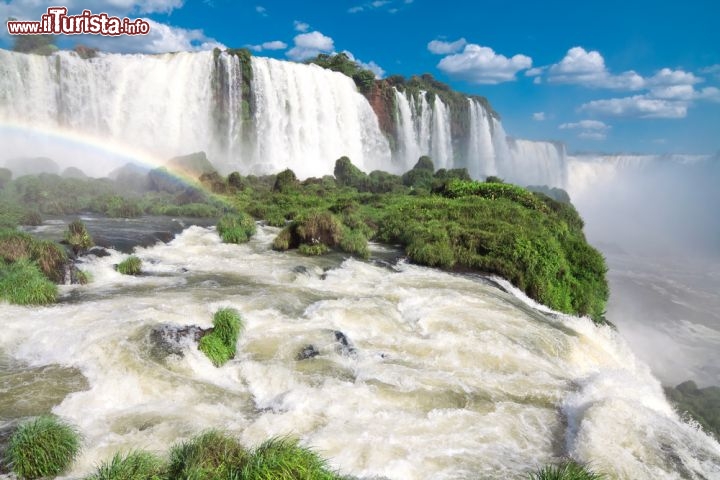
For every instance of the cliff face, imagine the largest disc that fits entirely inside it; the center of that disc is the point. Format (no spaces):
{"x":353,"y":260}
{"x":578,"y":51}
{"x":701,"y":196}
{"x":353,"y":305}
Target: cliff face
{"x":382,"y":101}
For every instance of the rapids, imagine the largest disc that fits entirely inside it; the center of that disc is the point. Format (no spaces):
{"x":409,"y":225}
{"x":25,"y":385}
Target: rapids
{"x":447,"y":377}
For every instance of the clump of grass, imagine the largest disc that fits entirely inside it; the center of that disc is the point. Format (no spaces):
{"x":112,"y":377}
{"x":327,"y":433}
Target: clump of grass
{"x":220,"y":344}
{"x":313,"y":250}
{"x":284,"y":458}
{"x":569,"y":470}
{"x":23,"y":283}
{"x":236,"y":228}
{"x":209,"y":456}
{"x":284,"y":240}
{"x":44,"y":447}
{"x":137,"y":465}
{"x":78,"y":237}
{"x":15,"y":245}
{"x":51,"y":258}
{"x":83,"y":277}
{"x":354,"y":243}
{"x":130,"y":266}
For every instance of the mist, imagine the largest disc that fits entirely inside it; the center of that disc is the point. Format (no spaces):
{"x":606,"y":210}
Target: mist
{"x":656,"y":221}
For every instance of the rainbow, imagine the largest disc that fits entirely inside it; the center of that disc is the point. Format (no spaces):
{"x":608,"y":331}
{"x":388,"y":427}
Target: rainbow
{"x":102,"y":146}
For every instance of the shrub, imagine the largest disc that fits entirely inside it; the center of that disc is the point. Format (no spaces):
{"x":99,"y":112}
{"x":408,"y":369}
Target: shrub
{"x":283,"y":459}
{"x":44,"y":447}
{"x":569,"y":470}
{"x":22,"y":283}
{"x":138,"y":465}
{"x":284,"y":240}
{"x":130,"y":266}
{"x":236,"y":228}
{"x":319,"y":227}
{"x":78,"y":237}
{"x":15,"y":245}
{"x":220,"y":344}
{"x":285,"y":181}
{"x":209,"y":456}
{"x":348,"y":175}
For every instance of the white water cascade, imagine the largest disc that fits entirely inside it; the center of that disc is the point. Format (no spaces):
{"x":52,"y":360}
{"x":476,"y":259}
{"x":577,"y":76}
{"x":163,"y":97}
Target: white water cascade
{"x":424,"y":129}
{"x":307,"y":117}
{"x":165,"y":105}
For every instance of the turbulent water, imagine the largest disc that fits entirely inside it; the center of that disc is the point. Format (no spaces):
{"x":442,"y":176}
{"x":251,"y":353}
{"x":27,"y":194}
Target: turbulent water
{"x":296,"y":116}
{"x":445,"y":376}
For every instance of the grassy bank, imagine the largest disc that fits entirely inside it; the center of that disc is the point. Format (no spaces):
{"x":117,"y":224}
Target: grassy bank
{"x":441,"y":219}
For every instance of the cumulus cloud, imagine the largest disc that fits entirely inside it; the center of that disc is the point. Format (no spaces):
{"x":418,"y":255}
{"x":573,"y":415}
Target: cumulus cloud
{"x":712,"y":70}
{"x":439,"y":47}
{"x":274,"y":45}
{"x":538,"y":116}
{"x":592,"y":135}
{"x":643,"y":106}
{"x":162,"y":38}
{"x":580,"y":67}
{"x":482,"y":65}
{"x":308,"y":45}
{"x":261,"y":10}
{"x":534,"y":72}
{"x":667,"y":76}
{"x":300,"y":26}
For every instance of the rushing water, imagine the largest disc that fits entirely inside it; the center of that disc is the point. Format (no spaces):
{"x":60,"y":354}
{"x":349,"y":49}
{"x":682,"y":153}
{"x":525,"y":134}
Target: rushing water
{"x":446,"y":376}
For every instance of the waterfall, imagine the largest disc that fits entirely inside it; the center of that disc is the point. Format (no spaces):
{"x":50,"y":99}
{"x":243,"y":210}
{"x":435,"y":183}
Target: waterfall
{"x":442,"y":149}
{"x":480,"y":156}
{"x":307,"y":117}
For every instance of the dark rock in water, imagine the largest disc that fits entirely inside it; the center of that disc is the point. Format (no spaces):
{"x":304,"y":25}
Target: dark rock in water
{"x":344,"y":346}
{"x":301,"y":269}
{"x":72,"y":275}
{"x":308,"y":351}
{"x":171,"y":339}
{"x":97,"y":251}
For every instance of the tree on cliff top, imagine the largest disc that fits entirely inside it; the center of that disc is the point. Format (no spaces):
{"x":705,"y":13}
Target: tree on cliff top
{"x":340,"y":62}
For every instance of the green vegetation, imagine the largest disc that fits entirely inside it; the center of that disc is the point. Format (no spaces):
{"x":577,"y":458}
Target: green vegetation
{"x":209,"y":456}
{"x":130,"y":266}
{"x":285,"y":459}
{"x":340,"y":62}
{"x":43,"y":447}
{"x":702,"y":404}
{"x":78,"y":237}
{"x":137,"y":465}
{"x":236,"y":228}
{"x":35,"y":44}
{"x":569,"y":470}
{"x":443,"y":220}
{"x":23,"y":283}
{"x":221,"y":342}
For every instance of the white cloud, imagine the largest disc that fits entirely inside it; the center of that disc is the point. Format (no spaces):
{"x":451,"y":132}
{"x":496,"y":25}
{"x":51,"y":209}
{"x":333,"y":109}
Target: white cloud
{"x":667,"y":76}
{"x":712,"y":70}
{"x":308,"y":45}
{"x":592,"y":135}
{"x":534,"y":72}
{"x":674,"y":92}
{"x":586,"y":124}
{"x":162,"y":38}
{"x":480,"y":64}
{"x":371,"y":65}
{"x":300,"y":26}
{"x":709,"y":93}
{"x":356,"y":9}
{"x":538,"y":116}
{"x":274,"y":45}
{"x":580,"y":67}
{"x":439,"y":47}
{"x":379,"y":4}
{"x":642,"y":106}
{"x":261,"y":10}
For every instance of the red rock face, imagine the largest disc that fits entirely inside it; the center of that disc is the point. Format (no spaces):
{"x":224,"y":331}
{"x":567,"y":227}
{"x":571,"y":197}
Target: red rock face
{"x":382,"y":101}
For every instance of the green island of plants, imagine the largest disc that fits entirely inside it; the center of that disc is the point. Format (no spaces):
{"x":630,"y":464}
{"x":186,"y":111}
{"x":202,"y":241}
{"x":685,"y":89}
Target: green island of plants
{"x":441,"y":219}
{"x":568,"y":470}
{"x":219,"y":345}
{"x":130,"y":266}
{"x":702,"y":404}
{"x":236,"y":228}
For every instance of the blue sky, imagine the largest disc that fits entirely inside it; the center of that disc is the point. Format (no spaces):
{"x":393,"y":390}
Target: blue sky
{"x":605,"y":76}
